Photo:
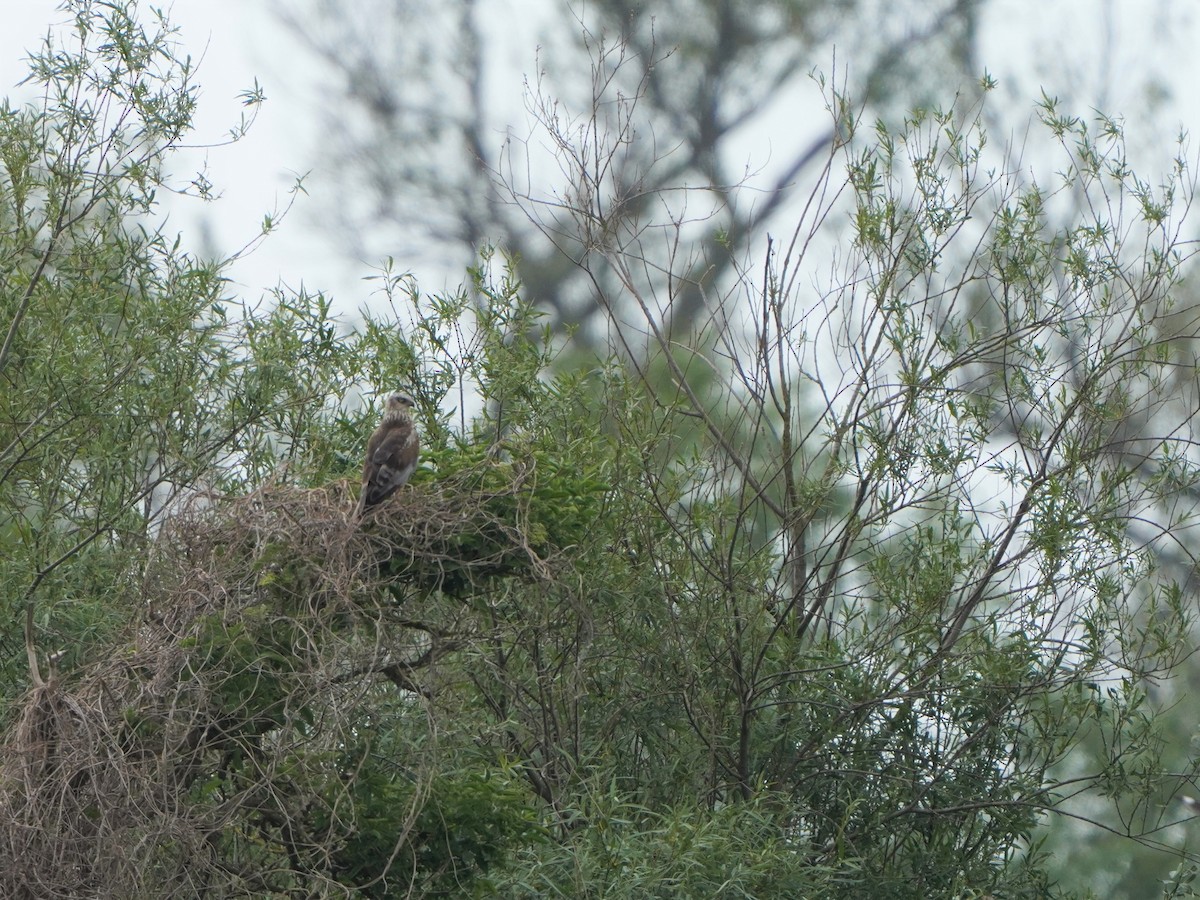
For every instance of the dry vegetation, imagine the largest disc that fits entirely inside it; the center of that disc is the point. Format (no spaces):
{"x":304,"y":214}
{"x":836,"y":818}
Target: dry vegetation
{"x":268,"y":620}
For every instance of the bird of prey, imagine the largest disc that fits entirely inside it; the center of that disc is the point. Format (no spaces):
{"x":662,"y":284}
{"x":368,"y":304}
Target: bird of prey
{"x":391,"y":453}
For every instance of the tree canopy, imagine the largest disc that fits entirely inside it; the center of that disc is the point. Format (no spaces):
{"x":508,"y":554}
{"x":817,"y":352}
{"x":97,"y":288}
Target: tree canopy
{"x":865,"y":578}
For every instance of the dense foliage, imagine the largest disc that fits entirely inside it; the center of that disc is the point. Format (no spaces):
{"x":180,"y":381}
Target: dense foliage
{"x":845,"y":592}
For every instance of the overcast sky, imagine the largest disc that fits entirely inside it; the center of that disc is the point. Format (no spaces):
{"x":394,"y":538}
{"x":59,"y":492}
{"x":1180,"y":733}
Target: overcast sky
{"x":1096,"y":52}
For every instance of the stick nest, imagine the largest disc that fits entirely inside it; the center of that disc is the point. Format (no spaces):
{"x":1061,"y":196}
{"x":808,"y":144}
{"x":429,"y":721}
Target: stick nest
{"x":209,"y":739}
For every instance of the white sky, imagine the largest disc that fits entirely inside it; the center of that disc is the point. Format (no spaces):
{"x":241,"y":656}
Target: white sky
{"x":1092,"y":52}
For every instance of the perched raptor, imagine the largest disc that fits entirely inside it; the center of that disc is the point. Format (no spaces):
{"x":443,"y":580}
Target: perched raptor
{"x":391,"y":453}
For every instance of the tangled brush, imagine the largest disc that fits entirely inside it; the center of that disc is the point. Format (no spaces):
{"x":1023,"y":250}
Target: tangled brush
{"x":214,"y":751}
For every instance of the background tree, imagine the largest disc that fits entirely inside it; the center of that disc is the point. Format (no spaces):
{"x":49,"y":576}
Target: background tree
{"x":421,"y":134}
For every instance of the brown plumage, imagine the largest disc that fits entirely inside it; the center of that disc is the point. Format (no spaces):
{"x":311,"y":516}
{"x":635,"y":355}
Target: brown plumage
{"x":391,"y":453}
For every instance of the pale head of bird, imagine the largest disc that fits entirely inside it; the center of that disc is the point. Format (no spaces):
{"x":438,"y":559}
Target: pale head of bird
{"x":400,"y":400}
{"x":397,"y":406}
